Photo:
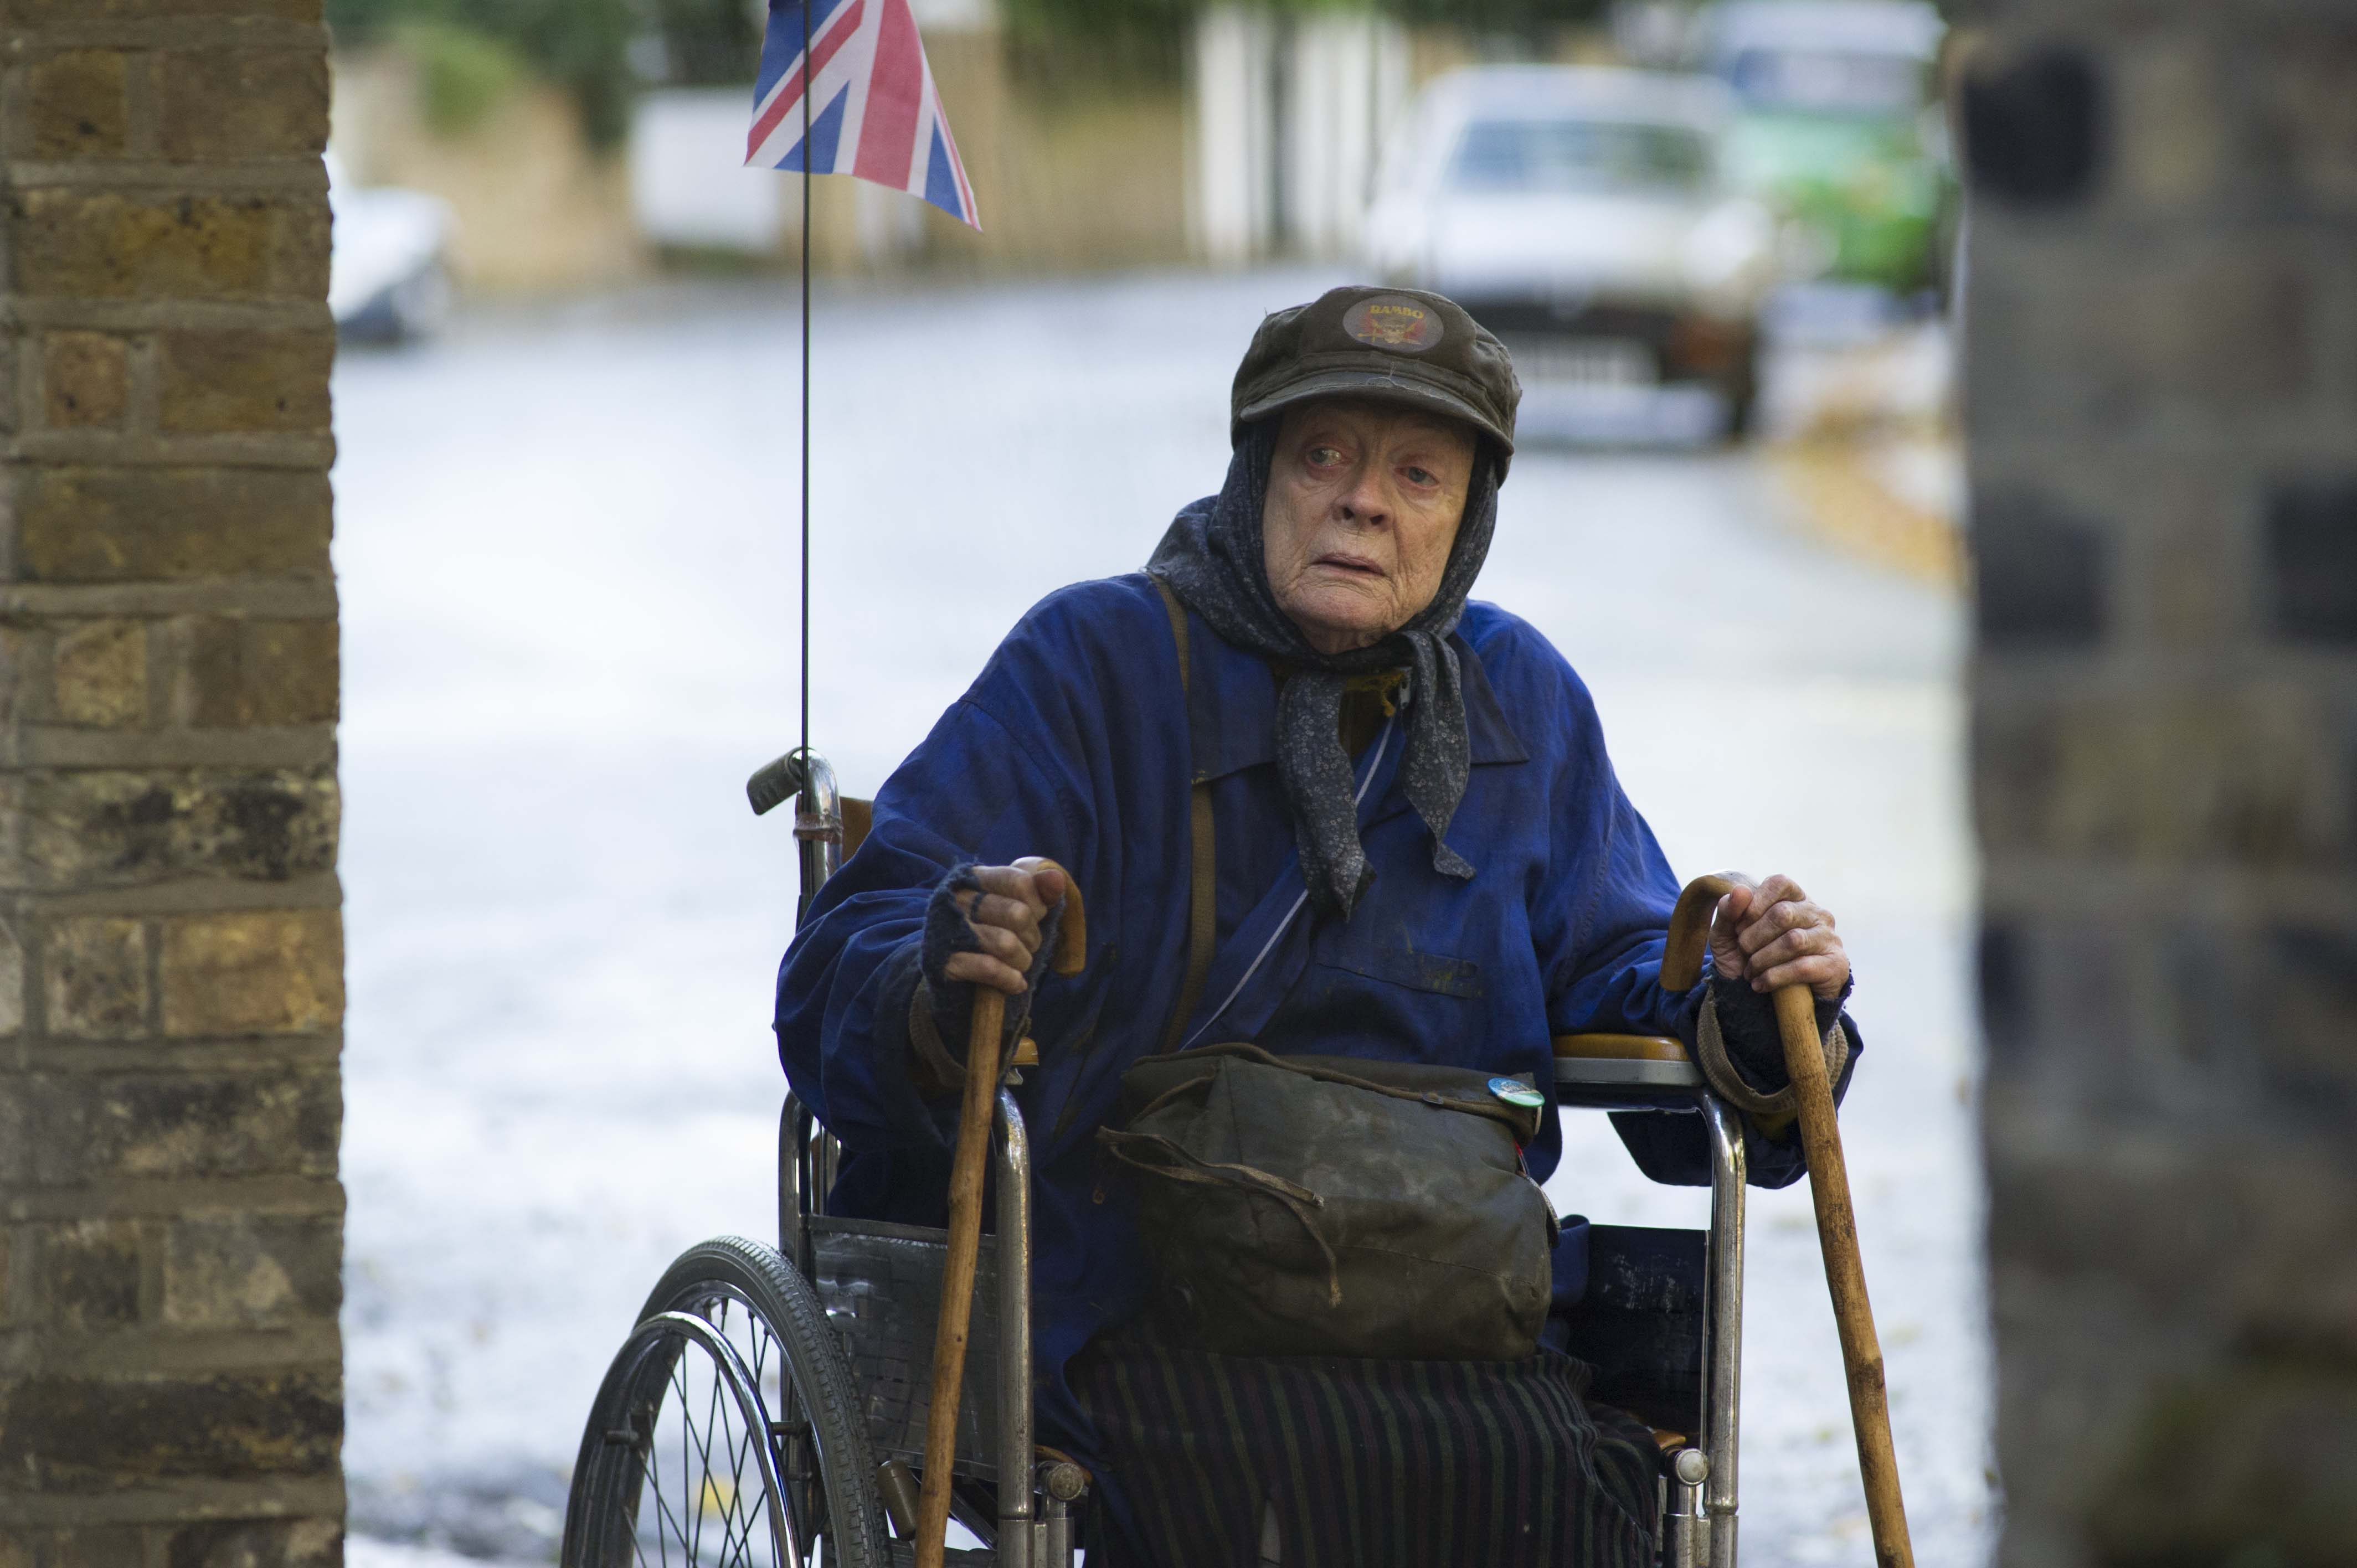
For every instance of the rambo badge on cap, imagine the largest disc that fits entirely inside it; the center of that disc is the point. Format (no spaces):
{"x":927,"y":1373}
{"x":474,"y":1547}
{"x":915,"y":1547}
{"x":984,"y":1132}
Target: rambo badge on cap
{"x":1396,"y":322}
{"x":1514,"y":1092}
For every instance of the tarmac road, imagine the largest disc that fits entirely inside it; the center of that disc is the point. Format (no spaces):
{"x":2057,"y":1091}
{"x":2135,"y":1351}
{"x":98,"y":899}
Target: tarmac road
{"x":568,"y":580}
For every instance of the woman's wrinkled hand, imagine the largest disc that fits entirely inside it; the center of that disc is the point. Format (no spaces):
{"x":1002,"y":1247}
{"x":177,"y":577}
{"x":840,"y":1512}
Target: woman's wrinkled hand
{"x":1772,"y":936}
{"x":1008,"y":916}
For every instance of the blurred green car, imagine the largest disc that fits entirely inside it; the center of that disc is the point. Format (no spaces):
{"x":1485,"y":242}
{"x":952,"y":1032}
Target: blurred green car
{"x":1835,"y":132}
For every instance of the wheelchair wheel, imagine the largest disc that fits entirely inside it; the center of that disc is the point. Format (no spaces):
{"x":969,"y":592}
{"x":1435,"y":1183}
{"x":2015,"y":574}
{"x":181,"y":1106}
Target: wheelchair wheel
{"x":727,"y":1434}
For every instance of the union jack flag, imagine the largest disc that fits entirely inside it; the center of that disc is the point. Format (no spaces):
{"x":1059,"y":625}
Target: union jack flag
{"x":875,"y":113}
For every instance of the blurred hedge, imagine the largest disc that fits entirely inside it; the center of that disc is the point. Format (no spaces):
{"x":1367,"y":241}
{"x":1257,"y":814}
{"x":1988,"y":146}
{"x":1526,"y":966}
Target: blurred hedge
{"x":583,"y":45}
{"x":600,"y":49}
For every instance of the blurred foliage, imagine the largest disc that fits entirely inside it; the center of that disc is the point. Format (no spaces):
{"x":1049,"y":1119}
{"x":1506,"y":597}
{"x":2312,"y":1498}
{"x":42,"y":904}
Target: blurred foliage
{"x":1077,"y":45}
{"x":462,"y":74}
{"x":1074,"y":44}
{"x":470,"y":50}
{"x":1526,"y":19}
{"x":583,"y":45}
{"x":708,"y":43}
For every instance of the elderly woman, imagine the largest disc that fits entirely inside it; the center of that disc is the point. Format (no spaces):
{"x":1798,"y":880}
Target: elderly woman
{"x":1418,"y":852}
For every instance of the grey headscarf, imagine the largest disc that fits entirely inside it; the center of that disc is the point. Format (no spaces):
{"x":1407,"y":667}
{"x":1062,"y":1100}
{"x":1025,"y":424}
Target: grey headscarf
{"x":1213,"y":558}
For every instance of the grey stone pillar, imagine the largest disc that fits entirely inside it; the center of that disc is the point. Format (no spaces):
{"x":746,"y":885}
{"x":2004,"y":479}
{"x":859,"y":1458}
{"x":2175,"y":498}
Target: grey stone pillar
{"x":2162,"y":416}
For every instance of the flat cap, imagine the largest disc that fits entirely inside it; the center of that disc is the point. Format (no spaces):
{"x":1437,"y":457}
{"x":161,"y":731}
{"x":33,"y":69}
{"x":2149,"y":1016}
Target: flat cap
{"x":1394,"y":345}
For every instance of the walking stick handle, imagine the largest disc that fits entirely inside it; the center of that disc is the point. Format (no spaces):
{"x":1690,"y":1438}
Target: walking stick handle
{"x":1870,"y":1402}
{"x":1683,"y":957}
{"x":982,"y":1066}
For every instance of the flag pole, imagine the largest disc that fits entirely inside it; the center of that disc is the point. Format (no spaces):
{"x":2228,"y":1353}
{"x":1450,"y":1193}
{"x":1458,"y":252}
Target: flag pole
{"x":807,"y":88}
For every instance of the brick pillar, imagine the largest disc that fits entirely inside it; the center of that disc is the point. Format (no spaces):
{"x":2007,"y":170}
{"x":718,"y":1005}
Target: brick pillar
{"x":2162,"y":410}
{"x":171,"y":966}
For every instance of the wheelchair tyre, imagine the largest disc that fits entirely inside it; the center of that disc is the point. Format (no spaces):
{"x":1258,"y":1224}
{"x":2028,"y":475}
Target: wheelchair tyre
{"x":728,"y":1432}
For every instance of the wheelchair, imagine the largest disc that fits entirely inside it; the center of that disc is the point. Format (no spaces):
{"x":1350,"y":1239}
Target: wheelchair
{"x":768,"y":1408}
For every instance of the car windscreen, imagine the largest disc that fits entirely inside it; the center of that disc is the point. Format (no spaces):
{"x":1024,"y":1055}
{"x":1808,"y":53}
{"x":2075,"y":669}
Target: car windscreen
{"x":1832,"y":81}
{"x":1549,"y":156}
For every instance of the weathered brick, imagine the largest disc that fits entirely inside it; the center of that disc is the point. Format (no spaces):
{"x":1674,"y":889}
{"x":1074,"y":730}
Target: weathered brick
{"x":82,"y":1546}
{"x":253,"y":1270}
{"x":66,"y":1433}
{"x":2229,"y":773}
{"x":74,"y":105}
{"x":224,"y":105}
{"x":95,"y":976}
{"x":112,"y":245}
{"x":258,"y":1543}
{"x":12,"y":981}
{"x":214,"y":382}
{"x":2311,"y":117}
{"x":81,"y":1128}
{"x":243,"y":672}
{"x":106,"y":828}
{"x":99,"y":674}
{"x":2263,"y":1014}
{"x":2040,"y":574}
{"x":2036,"y":125}
{"x":86,"y":1277}
{"x":79,"y":525}
{"x":2170,"y":141}
{"x":2204,"y":1480}
{"x":253,"y":973}
{"x":2223,"y":337}
{"x":16,"y":643}
{"x":85,"y":378}
{"x":2311,"y":559}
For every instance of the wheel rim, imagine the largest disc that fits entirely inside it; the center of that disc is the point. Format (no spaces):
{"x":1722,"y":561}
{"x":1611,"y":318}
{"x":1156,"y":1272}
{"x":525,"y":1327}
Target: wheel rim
{"x":793,"y":1440}
{"x":701,"y":1481}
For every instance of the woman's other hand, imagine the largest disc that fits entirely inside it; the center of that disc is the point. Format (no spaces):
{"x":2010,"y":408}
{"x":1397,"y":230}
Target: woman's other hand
{"x":1007,"y":916}
{"x":1772,"y":936}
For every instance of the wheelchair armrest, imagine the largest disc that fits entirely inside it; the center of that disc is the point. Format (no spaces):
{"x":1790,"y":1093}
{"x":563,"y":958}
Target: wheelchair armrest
{"x":1600,"y":1061}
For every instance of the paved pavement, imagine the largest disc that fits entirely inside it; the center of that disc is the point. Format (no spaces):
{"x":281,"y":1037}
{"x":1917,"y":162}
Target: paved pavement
{"x":568,"y":576}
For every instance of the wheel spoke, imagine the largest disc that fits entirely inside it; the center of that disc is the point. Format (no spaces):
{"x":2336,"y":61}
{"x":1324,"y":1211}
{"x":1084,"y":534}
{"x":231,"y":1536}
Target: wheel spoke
{"x":739,"y":1484}
{"x":702,"y":1441}
{"x":663,"y":1509}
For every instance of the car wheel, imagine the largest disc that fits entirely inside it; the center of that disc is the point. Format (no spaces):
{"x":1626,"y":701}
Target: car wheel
{"x":420,"y":303}
{"x":1740,"y":388}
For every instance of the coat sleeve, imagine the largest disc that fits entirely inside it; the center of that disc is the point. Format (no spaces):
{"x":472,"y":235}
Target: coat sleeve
{"x":968,"y":794}
{"x":1601,"y":921}
{"x":1012,"y":770}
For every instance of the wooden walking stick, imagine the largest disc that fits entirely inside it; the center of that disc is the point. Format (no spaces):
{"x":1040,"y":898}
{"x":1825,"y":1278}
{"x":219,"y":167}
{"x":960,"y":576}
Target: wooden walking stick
{"x":983,"y":1071}
{"x":1804,"y":1060}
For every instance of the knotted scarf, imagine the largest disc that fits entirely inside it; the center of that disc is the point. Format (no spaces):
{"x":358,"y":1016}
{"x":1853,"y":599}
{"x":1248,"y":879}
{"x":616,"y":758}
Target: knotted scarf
{"x":1213,"y":559}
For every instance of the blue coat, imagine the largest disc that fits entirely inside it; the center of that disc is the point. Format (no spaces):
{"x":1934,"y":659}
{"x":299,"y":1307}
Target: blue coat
{"x":1072,"y":744}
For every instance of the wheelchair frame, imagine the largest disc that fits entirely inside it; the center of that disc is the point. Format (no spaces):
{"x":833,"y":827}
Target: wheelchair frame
{"x":1033,"y":1523}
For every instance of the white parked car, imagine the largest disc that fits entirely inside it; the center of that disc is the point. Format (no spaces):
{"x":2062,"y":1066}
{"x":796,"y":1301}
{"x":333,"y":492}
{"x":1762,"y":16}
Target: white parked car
{"x":389,"y":271}
{"x":1581,"y":214}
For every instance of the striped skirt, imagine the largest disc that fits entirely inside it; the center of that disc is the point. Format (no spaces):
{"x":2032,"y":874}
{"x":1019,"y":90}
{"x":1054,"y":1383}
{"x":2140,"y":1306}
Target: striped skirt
{"x":1364,"y":1463}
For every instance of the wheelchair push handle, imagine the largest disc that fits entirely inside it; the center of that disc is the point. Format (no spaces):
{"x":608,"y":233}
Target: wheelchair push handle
{"x":983,"y":1070}
{"x":1804,"y":1061}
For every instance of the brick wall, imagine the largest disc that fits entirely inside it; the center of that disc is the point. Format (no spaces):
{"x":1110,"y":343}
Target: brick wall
{"x":2162,"y":410}
{"x":171,"y":963}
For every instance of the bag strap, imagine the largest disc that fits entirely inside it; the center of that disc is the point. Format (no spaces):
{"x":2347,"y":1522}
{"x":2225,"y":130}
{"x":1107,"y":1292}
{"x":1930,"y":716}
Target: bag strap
{"x":1152,"y":1153}
{"x":1202,"y":911}
{"x":1521,"y":1121}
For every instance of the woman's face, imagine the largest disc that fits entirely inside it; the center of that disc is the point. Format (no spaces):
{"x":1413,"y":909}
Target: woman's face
{"x":1363,"y":504}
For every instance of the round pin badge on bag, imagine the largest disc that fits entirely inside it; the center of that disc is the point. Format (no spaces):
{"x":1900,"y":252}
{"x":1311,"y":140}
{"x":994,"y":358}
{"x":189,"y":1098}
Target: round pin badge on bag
{"x":1514,"y":1092}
